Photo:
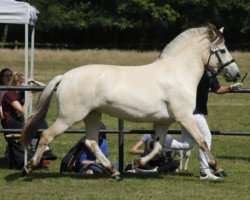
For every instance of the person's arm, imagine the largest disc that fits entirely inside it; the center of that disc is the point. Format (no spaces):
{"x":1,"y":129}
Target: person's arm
{"x":218,"y":89}
{"x":1,"y":113}
{"x":88,"y":162}
{"x":38,"y":83}
{"x":18,"y":107}
{"x":223,"y":90}
{"x":135,"y":148}
{"x":226,"y":89}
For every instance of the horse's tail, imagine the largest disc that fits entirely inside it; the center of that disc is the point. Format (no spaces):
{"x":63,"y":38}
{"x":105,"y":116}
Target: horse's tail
{"x":32,"y":125}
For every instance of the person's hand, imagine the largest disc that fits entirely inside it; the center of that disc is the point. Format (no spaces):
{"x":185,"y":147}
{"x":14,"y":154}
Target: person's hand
{"x":1,"y":113}
{"x":31,"y":80}
{"x":235,"y":86}
{"x":97,"y":161}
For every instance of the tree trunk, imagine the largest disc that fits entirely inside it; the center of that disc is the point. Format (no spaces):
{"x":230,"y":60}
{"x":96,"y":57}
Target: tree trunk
{"x":4,"y":35}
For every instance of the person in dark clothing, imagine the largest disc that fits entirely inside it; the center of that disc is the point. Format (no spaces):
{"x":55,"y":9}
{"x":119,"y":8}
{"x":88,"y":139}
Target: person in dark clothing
{"x":89,"y":163}
{"x":161,"y":163}
{"x":13,"y":113}
{"x":13,"y":105}
{"x":207,"y":82}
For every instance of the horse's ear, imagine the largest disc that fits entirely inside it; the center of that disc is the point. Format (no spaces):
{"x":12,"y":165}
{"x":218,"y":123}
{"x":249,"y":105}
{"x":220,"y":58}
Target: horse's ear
{"x":221,"y":29}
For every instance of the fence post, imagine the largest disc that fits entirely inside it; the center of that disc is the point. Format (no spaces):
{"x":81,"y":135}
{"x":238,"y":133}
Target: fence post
{"x":121,"y":144}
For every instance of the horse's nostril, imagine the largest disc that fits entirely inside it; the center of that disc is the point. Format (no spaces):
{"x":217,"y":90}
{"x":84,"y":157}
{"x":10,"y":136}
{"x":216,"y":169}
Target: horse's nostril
{"x":237,"y":77}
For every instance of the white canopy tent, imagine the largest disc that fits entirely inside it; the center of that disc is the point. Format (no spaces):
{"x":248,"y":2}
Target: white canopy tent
{"x":16,"y":12}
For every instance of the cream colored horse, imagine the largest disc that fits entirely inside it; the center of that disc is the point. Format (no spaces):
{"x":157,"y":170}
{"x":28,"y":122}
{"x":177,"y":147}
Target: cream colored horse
{"x":158,"y":93}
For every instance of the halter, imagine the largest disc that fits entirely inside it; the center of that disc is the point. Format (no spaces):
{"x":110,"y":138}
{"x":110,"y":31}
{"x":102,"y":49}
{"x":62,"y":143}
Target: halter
{"x":215,"y":50}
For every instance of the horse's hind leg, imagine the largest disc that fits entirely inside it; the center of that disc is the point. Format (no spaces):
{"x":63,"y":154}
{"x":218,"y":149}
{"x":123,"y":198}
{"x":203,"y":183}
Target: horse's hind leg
{"x":92,"y":123}
{"x":46,"y":137}
{"x":190,"y":125}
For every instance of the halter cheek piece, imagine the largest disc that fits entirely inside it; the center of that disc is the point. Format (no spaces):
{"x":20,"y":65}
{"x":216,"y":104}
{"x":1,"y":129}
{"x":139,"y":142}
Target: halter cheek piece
{"x":215,"y":50}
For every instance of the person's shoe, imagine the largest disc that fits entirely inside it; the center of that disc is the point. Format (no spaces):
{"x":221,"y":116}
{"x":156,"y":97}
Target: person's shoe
{"x":221,"y":174}
{"x":208,"y":176}
{"x":48,"y":155}
{"x":145,"y":171}
{"x":128,"y":167}
{"x":132,"y":171}
{"x":89,"y":172}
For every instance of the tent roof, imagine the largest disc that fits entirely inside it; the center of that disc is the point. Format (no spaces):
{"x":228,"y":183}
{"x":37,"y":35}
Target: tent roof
{"x":16,"y":12}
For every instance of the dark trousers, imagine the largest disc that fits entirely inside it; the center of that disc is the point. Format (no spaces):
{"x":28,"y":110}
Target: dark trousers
{"x":18,"y":124}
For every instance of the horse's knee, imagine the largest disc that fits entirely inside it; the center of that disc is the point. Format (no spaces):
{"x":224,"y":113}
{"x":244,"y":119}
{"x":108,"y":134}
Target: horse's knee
{"x":144,"y":160}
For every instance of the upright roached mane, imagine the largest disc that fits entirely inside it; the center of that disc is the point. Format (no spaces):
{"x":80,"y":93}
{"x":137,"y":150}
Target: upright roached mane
{"x":148,"y":93}
{"x":208,"y":30}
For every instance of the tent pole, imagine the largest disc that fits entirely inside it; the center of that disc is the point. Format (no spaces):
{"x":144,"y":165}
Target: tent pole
{"x":26,"y":68}
{"x":32,"y":64}
{"x":26,"y":100}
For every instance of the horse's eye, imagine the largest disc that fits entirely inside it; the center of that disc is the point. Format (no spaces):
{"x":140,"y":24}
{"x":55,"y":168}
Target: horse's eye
{"x":223,"y":51}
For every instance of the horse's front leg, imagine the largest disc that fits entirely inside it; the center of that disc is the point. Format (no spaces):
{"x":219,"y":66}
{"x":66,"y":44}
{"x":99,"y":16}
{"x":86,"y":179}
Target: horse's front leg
{"x":93,"y":146}
{"x":190,"y":125}
{"x":160,"y":134}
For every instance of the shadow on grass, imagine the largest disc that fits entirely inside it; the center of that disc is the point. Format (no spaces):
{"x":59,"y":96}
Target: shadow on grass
{"x":3,"y":163}
{"x":49,"y":175}
{"x":13,"y":177}
{"x":54,"y":175}
{"x":235,"y":158}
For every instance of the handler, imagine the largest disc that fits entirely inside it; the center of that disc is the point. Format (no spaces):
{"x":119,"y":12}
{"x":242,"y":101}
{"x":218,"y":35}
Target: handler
{"x":208,"y":81}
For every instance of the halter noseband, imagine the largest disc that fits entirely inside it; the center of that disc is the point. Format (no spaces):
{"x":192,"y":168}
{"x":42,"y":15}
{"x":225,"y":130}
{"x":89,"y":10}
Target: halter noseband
{"x":214,"y":50}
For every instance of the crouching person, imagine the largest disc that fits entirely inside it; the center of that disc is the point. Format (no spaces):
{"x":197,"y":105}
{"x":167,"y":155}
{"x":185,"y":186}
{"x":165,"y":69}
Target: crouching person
{"x":88,"y":163}
{"x":81,"y":160}
{"x":161,"y":163}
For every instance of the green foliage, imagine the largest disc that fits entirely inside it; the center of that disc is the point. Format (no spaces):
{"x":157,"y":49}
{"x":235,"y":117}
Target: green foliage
{"x":141,"y":21}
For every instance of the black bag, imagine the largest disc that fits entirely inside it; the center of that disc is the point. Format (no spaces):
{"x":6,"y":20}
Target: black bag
{"x":15,"y":154}
{"x":68,"y":163}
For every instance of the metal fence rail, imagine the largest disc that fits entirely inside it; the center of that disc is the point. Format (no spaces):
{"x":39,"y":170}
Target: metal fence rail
{"x":40,"y":88}
{"x":133,"y":131}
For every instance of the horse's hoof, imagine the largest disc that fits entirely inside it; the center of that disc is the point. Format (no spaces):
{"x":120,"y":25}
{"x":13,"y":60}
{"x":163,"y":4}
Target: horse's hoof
{"x":117,"y":177}
{"x":25,"y":172}
{"x":136,"y":164}
{"x":221,"y":174}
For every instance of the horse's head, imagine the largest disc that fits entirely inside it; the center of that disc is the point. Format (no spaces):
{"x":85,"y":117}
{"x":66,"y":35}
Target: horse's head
{"x":220,"y":57}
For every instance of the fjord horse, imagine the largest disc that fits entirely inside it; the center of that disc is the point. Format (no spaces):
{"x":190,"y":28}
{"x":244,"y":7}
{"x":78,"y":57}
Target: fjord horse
{"x":160,"y":93}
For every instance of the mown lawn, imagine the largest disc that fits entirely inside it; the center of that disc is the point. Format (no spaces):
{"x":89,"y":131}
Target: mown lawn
{"x":226,"y":112}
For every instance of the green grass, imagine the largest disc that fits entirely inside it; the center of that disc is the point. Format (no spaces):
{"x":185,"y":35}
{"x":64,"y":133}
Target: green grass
{"x":226,"y":112}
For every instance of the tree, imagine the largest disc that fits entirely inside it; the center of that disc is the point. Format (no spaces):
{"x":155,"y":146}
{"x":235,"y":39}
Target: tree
{"x":138,"y":22}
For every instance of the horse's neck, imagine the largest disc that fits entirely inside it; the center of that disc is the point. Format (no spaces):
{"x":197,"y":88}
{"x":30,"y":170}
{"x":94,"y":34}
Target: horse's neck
{"x":191,"y":55}
{"x":190,"y":64}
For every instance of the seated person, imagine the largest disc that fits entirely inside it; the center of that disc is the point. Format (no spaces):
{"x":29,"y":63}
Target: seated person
{"x":163,"y":162}
{"x":13,"y":105}
{"x":13,"y":111}
{"x":87,"y":160}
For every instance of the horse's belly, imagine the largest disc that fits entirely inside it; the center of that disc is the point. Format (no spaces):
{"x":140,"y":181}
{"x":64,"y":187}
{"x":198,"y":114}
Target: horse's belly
{"x":137,"y":115}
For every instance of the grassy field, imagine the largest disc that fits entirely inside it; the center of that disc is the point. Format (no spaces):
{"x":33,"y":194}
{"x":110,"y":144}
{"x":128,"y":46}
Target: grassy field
{"x":226,"y":112}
